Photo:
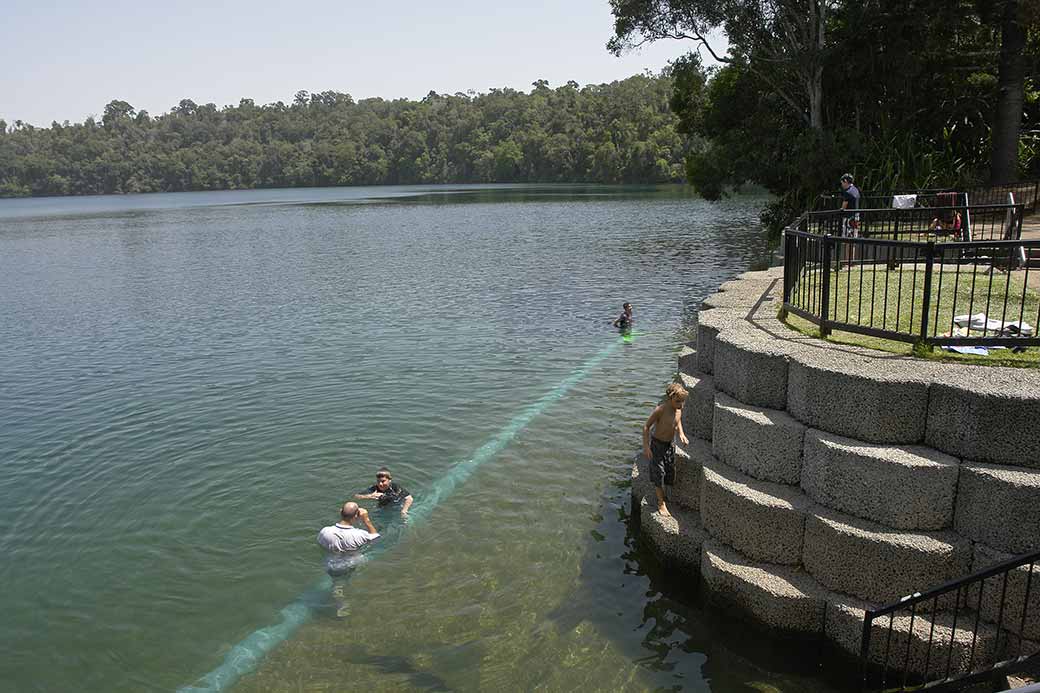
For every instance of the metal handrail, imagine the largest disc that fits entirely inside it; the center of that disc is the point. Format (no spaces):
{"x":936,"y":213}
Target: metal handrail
{"x":961,"y":588}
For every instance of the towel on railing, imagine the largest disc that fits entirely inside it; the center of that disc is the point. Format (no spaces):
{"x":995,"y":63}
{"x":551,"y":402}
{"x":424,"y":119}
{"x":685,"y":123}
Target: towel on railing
{"x":904,"y":201}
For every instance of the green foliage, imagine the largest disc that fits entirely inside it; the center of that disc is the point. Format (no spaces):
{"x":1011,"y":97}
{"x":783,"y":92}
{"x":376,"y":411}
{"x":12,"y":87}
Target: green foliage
{"x":618,"y":132}
{"x":908,"y":90}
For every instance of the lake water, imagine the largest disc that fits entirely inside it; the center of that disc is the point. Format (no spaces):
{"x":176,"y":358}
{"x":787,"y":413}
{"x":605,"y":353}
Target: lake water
{"x":192,"y":383}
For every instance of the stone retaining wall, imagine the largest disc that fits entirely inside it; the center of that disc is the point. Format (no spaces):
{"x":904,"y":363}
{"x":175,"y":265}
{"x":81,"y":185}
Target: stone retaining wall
{"x":822,"y":479}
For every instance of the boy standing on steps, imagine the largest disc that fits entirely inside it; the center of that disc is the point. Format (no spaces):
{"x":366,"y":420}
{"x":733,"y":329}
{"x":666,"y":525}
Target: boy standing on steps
{"x":666,"y":420}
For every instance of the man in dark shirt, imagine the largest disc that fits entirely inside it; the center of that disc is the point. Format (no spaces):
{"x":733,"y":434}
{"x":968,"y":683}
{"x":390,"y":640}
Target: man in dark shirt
{"x":387,"y":492}
{"x":624,"y":320}
{"x":850,"y":203}
{"x":850,"y":220}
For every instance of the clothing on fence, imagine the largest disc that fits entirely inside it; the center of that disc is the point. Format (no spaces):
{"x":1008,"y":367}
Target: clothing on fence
{"x":904,"y":201}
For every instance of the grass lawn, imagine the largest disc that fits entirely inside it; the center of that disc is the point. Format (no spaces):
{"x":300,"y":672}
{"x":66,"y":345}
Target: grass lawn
{"x":894,"y":295}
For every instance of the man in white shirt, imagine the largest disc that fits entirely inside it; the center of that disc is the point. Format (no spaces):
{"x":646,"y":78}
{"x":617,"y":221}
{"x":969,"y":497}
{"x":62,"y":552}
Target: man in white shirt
{"x":343,"y":543}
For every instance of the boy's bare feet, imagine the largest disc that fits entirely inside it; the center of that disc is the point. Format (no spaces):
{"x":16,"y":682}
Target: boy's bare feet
{"x":663,"y":509}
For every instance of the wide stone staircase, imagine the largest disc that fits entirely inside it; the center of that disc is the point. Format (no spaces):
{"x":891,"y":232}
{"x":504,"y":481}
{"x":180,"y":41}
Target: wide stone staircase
{"x":821,"y":481}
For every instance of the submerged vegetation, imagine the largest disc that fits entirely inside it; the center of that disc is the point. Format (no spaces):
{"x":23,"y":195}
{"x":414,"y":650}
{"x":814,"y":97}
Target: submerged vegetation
{"x":621,"y":132}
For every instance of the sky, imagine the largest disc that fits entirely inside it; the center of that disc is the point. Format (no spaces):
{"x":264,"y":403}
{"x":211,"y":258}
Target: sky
{"x":65,"y":60}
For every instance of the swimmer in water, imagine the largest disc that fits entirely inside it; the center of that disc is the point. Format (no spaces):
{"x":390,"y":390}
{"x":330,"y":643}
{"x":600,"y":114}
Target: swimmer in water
{"x":343,"y":543}
{"x":387,"y":492}
{"x":624,"y":321}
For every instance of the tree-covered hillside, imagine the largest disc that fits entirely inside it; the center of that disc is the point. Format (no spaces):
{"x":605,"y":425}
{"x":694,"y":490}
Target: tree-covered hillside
{"x":618,"y":132}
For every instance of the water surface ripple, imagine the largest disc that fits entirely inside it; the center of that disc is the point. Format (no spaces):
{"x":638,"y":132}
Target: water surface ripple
{"x":191,"y":383}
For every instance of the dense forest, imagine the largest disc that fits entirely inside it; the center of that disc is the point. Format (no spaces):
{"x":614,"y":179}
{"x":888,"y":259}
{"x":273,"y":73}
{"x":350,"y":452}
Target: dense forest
{"x":905,"y":94}
{"x":618,"y":132}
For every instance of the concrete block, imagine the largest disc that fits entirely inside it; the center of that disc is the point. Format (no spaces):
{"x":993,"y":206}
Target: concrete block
{"x":763,"y":443}
{"x":1015,"y":617}
{"x":751,"y":365}
{"x":641,"y":486}
{"x":876,"y":563}
{"x":676,"y":537}
{"x":987,"y":415}
{"x":709,"y":323}
{"x":779,"y":596}
{"x":688,"y":462}
{"x":905,"y":487}
{"x":699,"y":409}
{"x":999,"y":506}
{"x":844,"y":627}
{"x":877,"y":400}
{"x":762,"y":520}
{"x":687,"y":360}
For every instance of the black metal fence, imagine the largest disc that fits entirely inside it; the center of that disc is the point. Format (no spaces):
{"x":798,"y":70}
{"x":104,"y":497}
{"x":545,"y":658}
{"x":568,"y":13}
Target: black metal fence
{"x":959,"y":294}
{"x":956,"y":223}
{"x":1026,"y":193}
{"x":921,"y":198}
{"x":967,"y":630}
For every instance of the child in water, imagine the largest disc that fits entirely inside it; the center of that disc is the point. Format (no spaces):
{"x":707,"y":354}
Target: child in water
{"x":624,"y":320}
{"x":666,"y":421}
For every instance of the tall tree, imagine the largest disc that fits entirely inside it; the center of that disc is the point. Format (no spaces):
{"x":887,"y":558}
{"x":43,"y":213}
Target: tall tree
{"x":1013,"y":18}
{"x":782,"y":42}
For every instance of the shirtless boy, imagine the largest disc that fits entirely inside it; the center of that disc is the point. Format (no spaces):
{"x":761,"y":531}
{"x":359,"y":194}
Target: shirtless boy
{"x":666,"y":421}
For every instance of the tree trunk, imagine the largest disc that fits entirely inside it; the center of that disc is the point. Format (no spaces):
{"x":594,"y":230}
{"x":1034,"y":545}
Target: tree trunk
{"x":816,"y":100}
{"x":1007,"y":118}
{"x":816,"y":86}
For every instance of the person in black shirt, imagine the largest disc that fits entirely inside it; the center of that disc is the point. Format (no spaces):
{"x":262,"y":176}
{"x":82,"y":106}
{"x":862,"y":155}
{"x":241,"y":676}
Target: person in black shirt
{"x":850,"y":222}
{"x":387,"y":492}
{"x":625,"y":320}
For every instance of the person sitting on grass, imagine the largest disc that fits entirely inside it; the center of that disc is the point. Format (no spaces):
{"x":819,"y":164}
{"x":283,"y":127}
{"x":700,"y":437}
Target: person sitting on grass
{"x":659,"y":449}
{"x":387,"y":492}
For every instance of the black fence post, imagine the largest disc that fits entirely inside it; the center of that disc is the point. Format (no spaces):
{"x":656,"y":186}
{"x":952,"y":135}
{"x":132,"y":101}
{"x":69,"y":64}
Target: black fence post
{"x":926,"y":300}
{"x":825,"y":299}
{"x":788,"y":271}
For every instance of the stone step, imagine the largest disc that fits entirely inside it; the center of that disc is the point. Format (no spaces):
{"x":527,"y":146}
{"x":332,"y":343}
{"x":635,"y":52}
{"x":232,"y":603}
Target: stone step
{"x":709,"y":323}
{"x":763,"y":443}
{"x":862,"y":558}
{"x":751,"y":365}
{"x":688,"y":475}
{"x":876,"y":399}
{"x":1006,"y":603}
{"x":779,"y":596}
{"x":686,"y":492}
{"x":762,"y":520}
{"x":687,"y":359}
{"x":698,"y":412}
{"x":910,"y":487}
{"x":984,"y":415}
{"x":929,"y":641}
{"x":999,"y":506}
{"x":676,"y":537}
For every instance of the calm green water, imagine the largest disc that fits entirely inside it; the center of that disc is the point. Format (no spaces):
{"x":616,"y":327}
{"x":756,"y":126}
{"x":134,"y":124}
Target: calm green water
{"x":192,"y":383}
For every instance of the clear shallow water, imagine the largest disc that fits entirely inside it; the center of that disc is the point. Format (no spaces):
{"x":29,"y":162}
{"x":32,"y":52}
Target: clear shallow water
{"x":192,"y":383}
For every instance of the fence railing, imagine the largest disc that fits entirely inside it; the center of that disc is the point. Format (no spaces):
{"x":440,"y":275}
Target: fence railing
{"x":931,"y":640}
{"x":958,"y":223}
{"x":832,"y":201}
{"x":960,"y":294}
{"x":1026,"y":192}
